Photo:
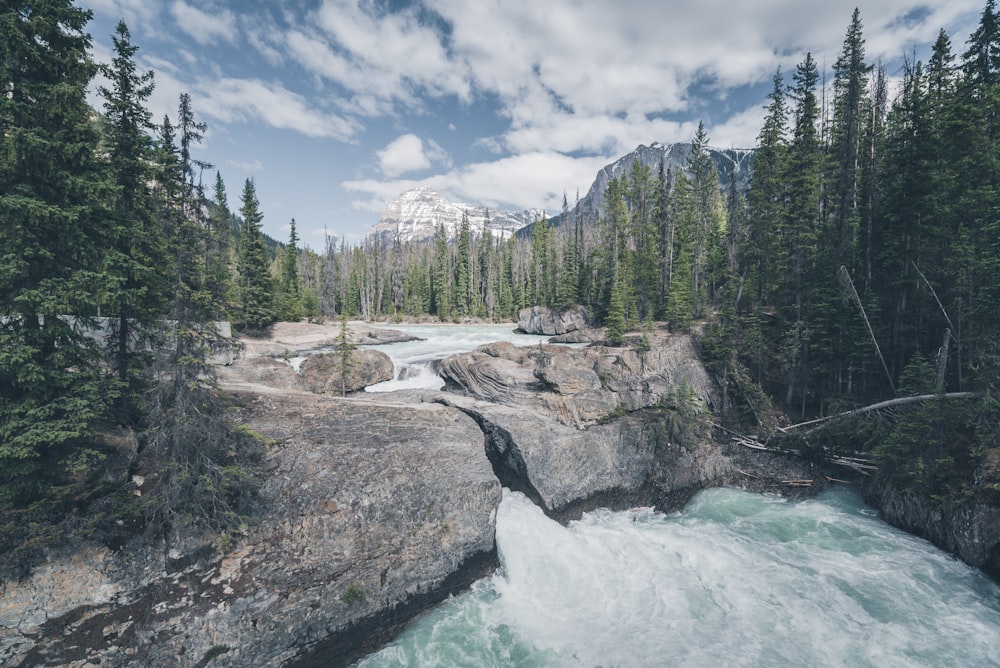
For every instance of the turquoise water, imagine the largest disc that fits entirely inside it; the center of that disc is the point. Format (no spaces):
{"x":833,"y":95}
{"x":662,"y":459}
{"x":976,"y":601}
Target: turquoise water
{"x":413,"y":359}
{"x":736,"y":579}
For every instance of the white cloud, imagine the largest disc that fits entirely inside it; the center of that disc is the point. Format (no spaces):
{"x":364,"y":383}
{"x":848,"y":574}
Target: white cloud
{"x":230,"y":99}
{"x":134,"y":12}
{"x":409,"y":153}
{"x":531,"y":180}
{"x":251,"y":167}
{"x":235,"y":100}
{"x":203,"y":26}
{"x":567,"y":85}
{"x":586,"y":76}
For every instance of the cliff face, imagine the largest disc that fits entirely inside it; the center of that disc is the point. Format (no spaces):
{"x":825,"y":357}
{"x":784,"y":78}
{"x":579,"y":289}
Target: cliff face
{"x":970,"y":531}
{"x":373,"y":514}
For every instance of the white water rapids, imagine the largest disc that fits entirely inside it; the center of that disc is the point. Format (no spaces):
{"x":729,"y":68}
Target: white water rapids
{"x":413,"y":359}
{"x":735,"y":579}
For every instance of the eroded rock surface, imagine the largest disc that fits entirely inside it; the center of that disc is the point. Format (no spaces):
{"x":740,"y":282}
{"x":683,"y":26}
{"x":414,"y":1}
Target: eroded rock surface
{"x":580,"y":386}
{"x":377,"y":509}
{"x":374,"y":513}
{"x":552,"y":322}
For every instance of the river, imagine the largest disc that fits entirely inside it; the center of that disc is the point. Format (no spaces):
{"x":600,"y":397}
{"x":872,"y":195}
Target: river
{"x":735,"y":579}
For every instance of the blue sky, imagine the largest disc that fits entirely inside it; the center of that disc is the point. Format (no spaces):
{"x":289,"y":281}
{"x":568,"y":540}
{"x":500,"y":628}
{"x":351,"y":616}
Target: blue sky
{"x":334,"y":107}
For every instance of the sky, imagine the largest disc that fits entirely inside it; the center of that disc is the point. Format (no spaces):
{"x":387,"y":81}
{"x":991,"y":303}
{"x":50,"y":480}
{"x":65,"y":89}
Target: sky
{"x":335,"y":107}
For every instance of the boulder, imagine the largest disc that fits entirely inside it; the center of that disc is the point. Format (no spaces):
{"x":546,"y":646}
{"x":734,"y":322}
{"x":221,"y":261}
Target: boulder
{"x":323,"y":373}
{"x":551,"y":322}
{"x":261,"y":370}
{"x":579,"y":336}
{"x":495,"y":372}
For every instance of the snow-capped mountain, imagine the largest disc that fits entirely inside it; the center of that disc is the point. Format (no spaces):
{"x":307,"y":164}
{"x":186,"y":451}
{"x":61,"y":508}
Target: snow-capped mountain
{"x":416,"y":214}
{"x":730,"y":163}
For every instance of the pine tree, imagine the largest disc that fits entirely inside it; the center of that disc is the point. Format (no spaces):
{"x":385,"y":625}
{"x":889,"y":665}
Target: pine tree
{"x":134,"y":254}
{"x":850,"y":72}
{"x":218,"y":251}
{"x":463,"y":270}
{"x":486,"y":262}
{"x":199,"y":463}
{"x":800,"y":227}
{"x":256,"y":294}
{"x":568,"y":291}
{"x":51,"y":388}
{"x":667,"y":232}
{"x":614,"y":320}
{"x":709,"y":222}
{"x":679,"y":307}
{"x":644,"y":242}
{"x":766,"y":196}
{"x":613,"y":260}
{"x":976,"y":225}
{"x":441,"y":283}
{"x":289,"y":298}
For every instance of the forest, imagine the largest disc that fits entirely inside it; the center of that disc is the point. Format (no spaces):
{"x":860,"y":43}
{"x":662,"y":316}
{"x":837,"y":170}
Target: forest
{"x":862,"y":264}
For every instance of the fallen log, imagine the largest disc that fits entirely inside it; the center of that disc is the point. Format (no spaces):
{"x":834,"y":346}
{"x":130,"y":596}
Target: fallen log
{"x":881,"y":405}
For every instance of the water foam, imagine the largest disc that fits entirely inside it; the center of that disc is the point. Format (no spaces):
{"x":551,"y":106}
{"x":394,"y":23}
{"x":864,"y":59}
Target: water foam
{"x":736,"y":579}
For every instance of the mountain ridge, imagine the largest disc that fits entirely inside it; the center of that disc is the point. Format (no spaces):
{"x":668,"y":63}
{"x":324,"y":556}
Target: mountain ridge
{"x":733,"y":163}
{"x":414,"y":216}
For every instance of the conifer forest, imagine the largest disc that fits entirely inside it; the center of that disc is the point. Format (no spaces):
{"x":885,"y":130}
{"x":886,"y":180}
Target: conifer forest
{"x":862,"y":264}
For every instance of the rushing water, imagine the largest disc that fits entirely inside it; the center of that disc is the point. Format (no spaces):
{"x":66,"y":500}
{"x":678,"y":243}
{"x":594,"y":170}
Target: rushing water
{"x":735,"y":579}
{"x":413,"y":359}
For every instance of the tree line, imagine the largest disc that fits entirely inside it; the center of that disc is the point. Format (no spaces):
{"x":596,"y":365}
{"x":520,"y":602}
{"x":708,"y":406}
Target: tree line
{"x":863,"y":261}
{"x":105,"y":228}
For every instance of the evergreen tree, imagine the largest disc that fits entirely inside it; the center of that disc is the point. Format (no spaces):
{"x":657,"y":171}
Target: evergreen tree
{"x":766,"y":196}
{"x":977,"y":190}
{"x":568,"y":291}
{"x":800,"y":227}
{"x":667,"y":231}
{"x":256,"y":307}
{"x":679,"y":308}
{"x":709,"y":222}
{"x":133,"y":292}
{"x":849,"y":80}
{"x":441,"y":284}
{"x":614,"y":320}
{"x":218,"y":252}
{"x":199,"y":462}
{"x":51,"y":388}
{"x":463,"y":270}
{"x":644,"y":243}
{"x":289,"y":295}
{"x":613,"y":258}
{"x":486,"y":295}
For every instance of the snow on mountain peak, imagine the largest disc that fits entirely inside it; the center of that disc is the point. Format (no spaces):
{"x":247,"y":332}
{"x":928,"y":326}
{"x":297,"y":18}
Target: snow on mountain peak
{"x":416,"y":214}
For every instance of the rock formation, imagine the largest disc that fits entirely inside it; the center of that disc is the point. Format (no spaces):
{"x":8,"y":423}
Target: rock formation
{"x":580,"y":387}
{"x":970,"y":531}
{"x":373,"y":514}
{"x":552,"y":322}
{"x":325,"y":373}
